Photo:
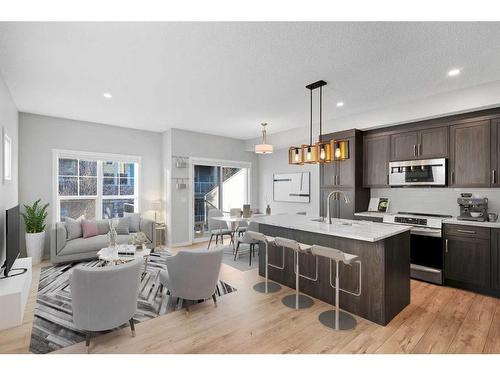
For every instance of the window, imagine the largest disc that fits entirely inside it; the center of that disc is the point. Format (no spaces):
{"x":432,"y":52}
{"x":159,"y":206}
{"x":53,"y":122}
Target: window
{"x":95,"y":186}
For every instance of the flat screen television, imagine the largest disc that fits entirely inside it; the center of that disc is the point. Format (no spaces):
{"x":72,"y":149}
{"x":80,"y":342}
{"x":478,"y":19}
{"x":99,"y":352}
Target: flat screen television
{"x":12,"y":223}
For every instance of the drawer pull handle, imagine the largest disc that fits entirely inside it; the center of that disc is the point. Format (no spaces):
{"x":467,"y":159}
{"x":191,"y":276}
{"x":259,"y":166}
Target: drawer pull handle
{"x":446,"y":245}
{"x":466,"y":231}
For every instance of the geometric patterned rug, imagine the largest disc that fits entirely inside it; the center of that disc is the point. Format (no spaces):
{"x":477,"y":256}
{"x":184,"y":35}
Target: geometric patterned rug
{"x":53,"y":326}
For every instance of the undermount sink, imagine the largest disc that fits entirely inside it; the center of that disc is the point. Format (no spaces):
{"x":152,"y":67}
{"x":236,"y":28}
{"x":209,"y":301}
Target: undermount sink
{"x":334,"y":221}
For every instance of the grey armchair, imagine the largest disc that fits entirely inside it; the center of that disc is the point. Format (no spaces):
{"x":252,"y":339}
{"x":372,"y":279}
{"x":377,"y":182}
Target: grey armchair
{"x":192,"y":275}
{"x":104,"y":298}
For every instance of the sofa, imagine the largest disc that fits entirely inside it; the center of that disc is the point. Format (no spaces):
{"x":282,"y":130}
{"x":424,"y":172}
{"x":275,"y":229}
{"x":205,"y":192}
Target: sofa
{"x":64,"y":250}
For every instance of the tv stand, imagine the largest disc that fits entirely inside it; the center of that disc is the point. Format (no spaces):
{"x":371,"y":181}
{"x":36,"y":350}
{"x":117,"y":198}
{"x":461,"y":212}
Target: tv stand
{"x":14,"y":292}
{"x":23,"y":271}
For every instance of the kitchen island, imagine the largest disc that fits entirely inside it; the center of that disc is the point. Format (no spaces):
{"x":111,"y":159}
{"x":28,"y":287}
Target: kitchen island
{"x":383,"y":249}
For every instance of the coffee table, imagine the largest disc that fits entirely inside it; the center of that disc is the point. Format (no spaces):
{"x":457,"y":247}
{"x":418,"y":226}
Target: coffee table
{"x":110,"y":255}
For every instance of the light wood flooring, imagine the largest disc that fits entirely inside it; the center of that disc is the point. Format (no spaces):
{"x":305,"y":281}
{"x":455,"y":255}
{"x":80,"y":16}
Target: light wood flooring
{"x":438,"y":320}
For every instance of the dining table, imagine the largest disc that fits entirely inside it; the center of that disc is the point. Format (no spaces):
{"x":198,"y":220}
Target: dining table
{"x":233,"y":223}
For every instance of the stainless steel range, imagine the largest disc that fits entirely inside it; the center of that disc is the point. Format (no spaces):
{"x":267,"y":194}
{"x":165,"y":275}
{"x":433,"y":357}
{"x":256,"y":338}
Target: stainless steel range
{"x":426,"y":251}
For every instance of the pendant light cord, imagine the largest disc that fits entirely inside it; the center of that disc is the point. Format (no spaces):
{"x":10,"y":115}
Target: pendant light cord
{"x":320,"y":113}
{"x":311,"y":122}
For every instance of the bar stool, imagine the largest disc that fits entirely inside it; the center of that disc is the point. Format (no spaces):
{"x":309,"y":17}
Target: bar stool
{"x":297,"y":300}
{"x":266,"y":286}
{"x":339,"y":320}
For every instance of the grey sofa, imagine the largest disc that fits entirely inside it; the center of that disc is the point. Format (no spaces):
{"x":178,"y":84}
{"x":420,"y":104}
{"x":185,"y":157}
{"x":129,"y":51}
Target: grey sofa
{"x":63,"y":250}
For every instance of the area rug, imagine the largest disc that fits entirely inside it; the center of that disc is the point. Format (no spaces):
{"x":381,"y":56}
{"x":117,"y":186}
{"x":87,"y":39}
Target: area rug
{"x":241,"y":262}
{"x":53,"y":326}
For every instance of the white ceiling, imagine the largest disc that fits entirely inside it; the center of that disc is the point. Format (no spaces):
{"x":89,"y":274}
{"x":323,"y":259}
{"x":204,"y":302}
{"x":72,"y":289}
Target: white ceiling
{"x":226,"y":78}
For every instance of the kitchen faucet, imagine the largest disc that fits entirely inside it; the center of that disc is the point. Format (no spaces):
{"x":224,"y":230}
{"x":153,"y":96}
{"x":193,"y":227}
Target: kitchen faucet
{"x":333,"y":194}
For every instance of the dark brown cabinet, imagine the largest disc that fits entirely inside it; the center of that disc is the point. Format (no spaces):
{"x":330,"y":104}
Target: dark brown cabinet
{"x":467,"y":256}
{"x":422,"y":144}
{"x":495,"y":152}
{"x":404,"y":146}
{"x":433,"y":143}
{"x":495,"y":259}
{"x":376,"y":152}
{"x":470,"y":153}
{"x":344,"y":175}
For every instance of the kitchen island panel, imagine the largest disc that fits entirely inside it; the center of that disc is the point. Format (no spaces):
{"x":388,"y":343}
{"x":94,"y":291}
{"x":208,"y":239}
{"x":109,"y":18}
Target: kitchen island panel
{"x":385,"y":275}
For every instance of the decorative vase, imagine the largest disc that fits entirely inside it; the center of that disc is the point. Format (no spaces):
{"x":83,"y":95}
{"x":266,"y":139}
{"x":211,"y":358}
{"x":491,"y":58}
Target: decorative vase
{"x":268,"y":210}
{"x":112,"y":236}
{"x":34,"y":246}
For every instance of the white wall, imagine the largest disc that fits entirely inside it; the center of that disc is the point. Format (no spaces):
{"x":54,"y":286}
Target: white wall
{"x":38,"y":135}
{"x":8,"y":190}
{"x":192,"y":144}
{"x":277,"y":162}
{"x":433,"y":200}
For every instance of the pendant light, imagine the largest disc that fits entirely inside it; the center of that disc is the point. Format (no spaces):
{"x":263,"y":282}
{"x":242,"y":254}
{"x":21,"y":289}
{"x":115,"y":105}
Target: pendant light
{"x":312,"y":153}
{"x":264,"y":147}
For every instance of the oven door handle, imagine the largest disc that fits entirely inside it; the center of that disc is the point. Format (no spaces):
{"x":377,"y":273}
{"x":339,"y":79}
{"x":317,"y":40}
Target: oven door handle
{"x":426,"y":232}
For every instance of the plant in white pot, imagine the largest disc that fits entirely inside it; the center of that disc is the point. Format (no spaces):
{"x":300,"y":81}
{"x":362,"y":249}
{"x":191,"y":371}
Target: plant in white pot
{"x":34,"y":222}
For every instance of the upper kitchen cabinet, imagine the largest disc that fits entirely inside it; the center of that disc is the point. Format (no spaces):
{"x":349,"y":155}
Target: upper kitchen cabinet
{"x":404,"y":146}
{"x":495,"y":152}
{"x":470,"y":153}
{"x":422,"y":144}
{"x":376,"y":153}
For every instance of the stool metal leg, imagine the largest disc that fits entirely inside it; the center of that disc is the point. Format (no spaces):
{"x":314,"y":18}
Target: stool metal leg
{"x":266,"y":286}
{"x":336,"y":319}
{"x":297,"y":301}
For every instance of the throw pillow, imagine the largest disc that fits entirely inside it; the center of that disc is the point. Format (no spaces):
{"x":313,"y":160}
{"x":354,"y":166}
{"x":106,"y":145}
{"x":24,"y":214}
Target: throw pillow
{"x":123,"y":226}
{"x":102,"y":226}
{"x":135,"y":220}
{"x":73,"y":227}
{"x":89,"y":228}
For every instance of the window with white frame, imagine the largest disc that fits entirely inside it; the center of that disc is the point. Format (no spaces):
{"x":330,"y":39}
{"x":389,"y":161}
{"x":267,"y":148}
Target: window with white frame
{"x":95,"y":186}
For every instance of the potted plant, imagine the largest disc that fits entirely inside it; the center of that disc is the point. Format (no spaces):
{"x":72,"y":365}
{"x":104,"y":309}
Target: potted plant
{"x":34,"y":222}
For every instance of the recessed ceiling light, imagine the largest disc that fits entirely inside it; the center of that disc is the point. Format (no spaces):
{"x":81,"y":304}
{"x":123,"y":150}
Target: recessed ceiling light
{"x":453,"y":72}
{"x":340,"y":104}
{"x":107,"y":95}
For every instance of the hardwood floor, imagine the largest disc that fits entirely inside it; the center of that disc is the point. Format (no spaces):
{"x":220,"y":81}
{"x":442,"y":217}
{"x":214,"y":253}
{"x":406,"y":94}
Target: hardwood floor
{"x":438,"y":320}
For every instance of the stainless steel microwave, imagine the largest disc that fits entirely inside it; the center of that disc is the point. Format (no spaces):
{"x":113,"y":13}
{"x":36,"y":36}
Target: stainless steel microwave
{"x":430,"y":172}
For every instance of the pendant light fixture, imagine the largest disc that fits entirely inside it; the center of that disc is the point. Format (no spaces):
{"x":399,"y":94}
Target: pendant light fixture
{"x":312,"y":153}
{"x":264,"y":147}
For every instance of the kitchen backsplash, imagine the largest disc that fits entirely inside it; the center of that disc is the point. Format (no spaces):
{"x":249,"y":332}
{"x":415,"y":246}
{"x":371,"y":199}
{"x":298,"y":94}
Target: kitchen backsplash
{"x":433,"y":200}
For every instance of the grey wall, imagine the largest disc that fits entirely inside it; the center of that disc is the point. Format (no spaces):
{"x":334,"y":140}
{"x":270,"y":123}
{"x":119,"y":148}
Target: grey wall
{"x":8,"y":190}
{"x":192,"y":144}
{"x":277,"y":162}
{"x":38,"y":135}
{"x":433,"y":200}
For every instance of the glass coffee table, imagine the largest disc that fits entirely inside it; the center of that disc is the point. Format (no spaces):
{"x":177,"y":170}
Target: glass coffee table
{"x":123,"y":254}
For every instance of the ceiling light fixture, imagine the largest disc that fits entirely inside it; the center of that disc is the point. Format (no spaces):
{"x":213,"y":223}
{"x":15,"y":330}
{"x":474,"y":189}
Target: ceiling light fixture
{"x":453,"y":72}
{"x":264,"y":147}
{"x":107,"y":95}
{"x":319,"y":152}
{"x":340,"y":104}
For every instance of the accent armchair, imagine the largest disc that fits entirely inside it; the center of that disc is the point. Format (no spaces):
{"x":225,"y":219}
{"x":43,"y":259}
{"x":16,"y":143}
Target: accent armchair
{"x":192,"y":275}
{"x":104,"y":298}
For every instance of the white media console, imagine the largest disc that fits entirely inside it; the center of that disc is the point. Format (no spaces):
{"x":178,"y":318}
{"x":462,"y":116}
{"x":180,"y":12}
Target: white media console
{"x":14,"y":292}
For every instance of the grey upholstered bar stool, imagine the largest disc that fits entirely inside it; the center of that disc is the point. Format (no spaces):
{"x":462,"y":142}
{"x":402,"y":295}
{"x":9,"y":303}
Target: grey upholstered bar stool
{"x":266,"y":286}
{"x":339,"y":320}
{"x":297,"y":300}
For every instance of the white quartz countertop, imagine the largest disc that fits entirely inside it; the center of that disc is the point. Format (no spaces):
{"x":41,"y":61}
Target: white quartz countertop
{"x":489,"y":224}
{"x":353,"y":229}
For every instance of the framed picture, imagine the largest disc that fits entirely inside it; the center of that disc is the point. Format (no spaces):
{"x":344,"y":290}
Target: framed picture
{"x":7,"y":157}
{"x":378,"y":205}
{"x":291,"y":187}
